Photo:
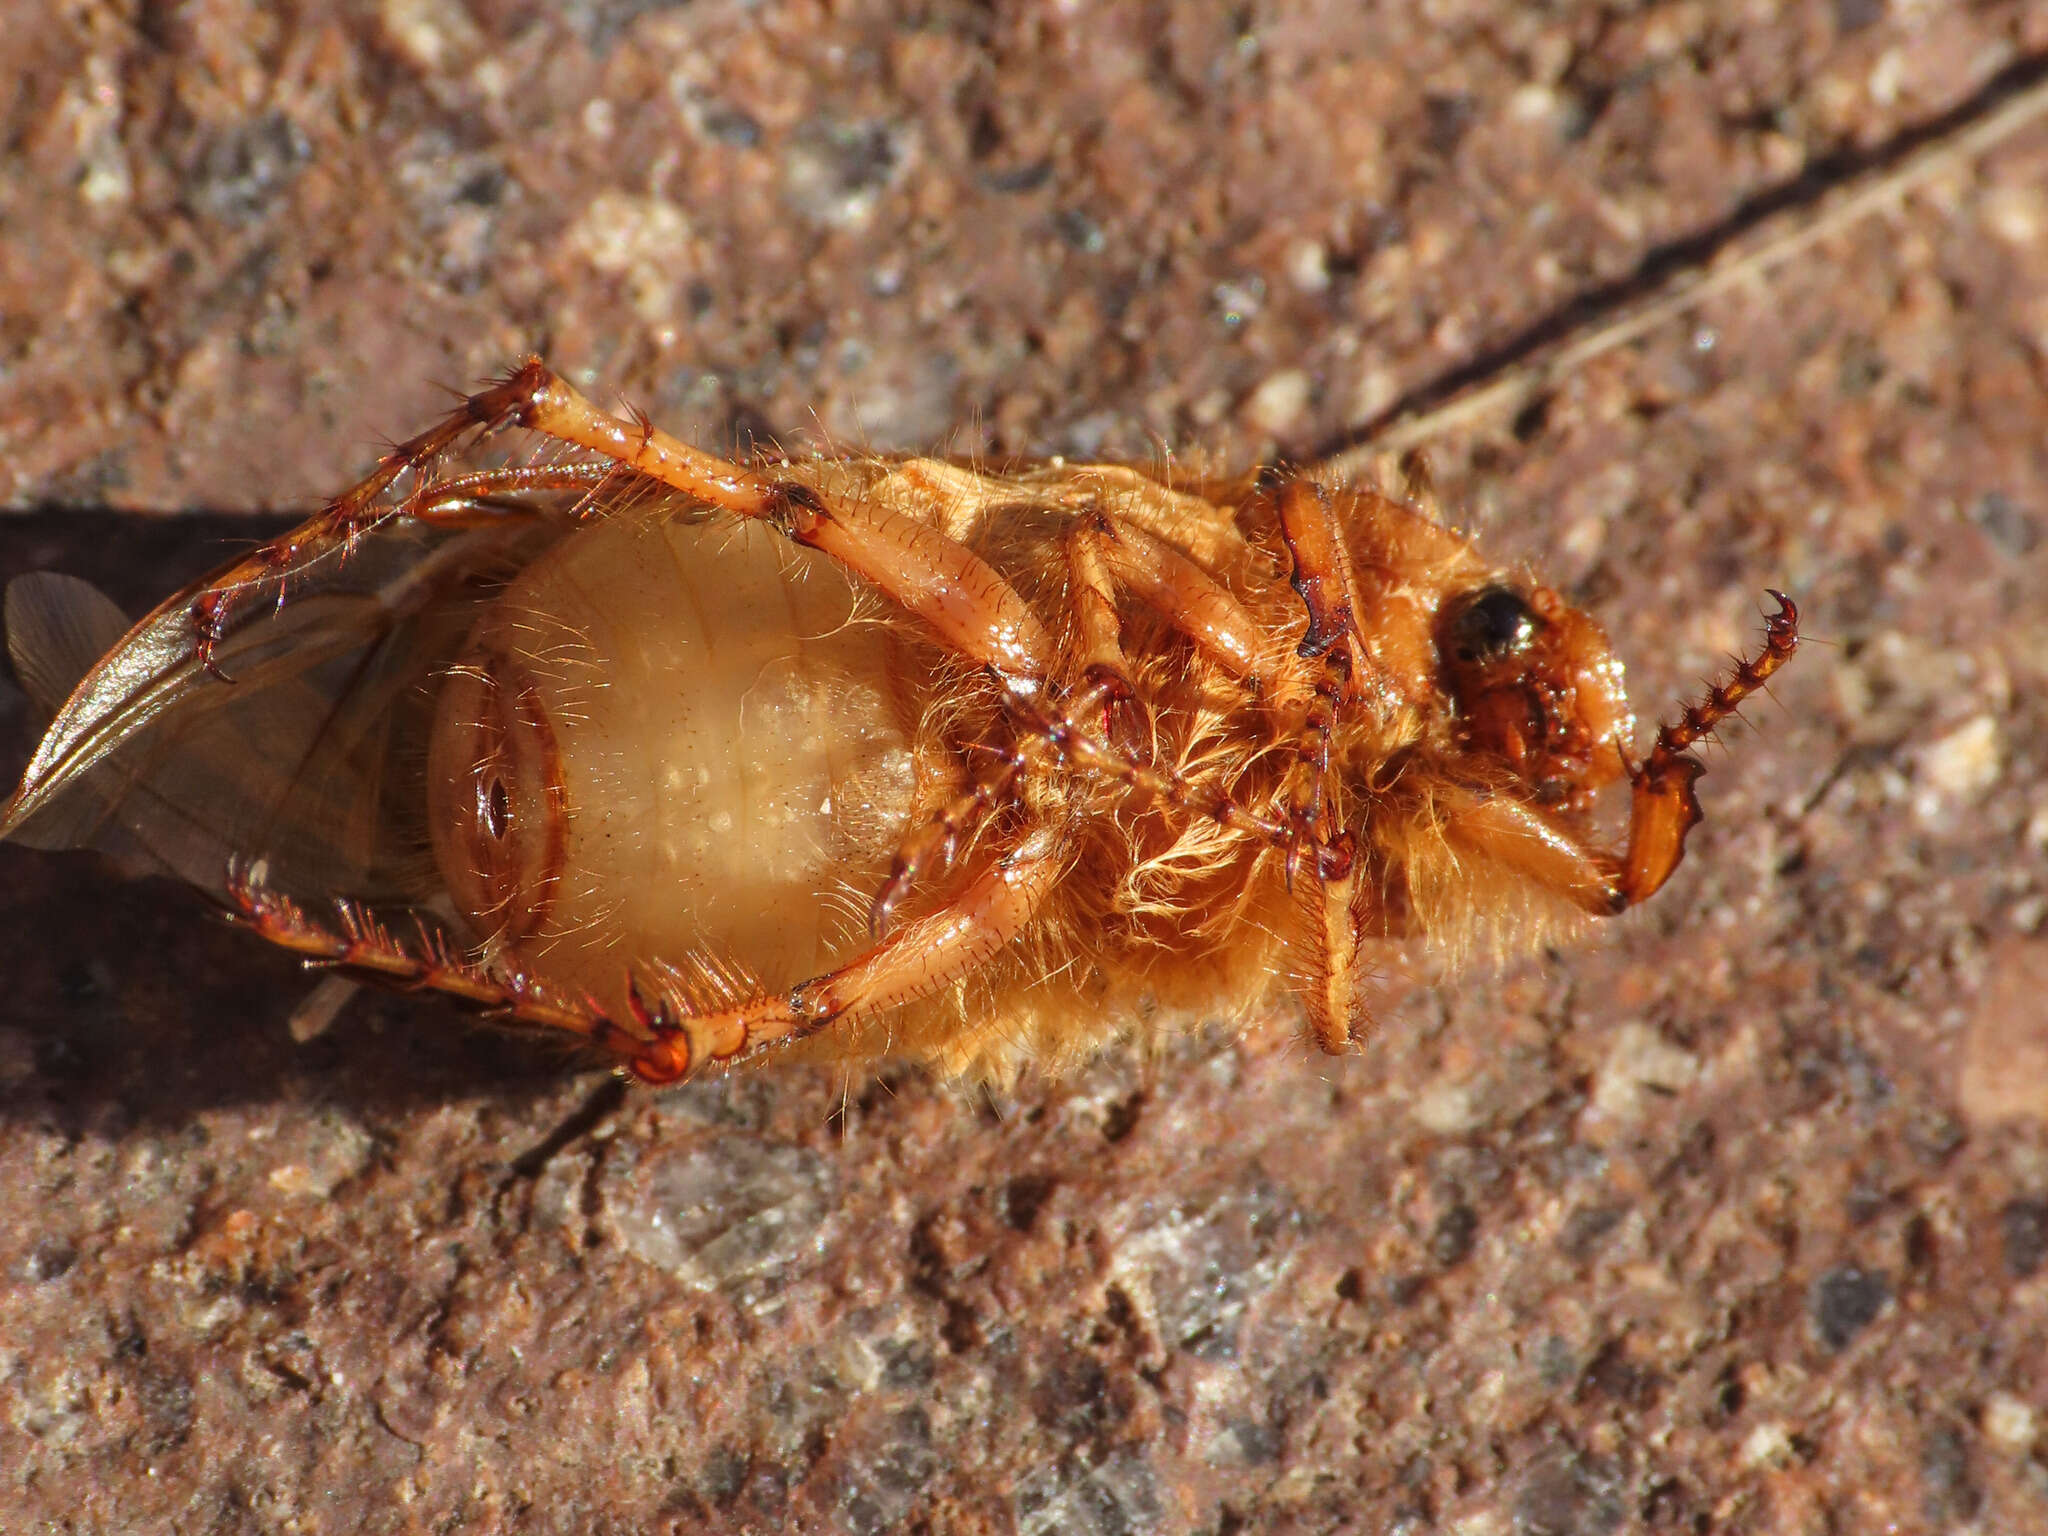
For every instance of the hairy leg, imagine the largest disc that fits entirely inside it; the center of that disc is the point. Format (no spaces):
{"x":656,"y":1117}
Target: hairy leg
{"x":925,"y":956}
{"x":464,"y":501}
{"x":1109,"y":555}
{"x":668,"y":1038}
{"x":1325,"y":580}
{"x":1330,"y":923}
{"x":1108,"y":558}
{"x":972,"y":610}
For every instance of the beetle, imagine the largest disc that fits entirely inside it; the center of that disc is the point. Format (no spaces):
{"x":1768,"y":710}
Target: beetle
{"x":697,"y":760}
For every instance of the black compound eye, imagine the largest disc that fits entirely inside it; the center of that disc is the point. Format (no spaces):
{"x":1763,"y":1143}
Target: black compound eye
{"x":1493,"y":622}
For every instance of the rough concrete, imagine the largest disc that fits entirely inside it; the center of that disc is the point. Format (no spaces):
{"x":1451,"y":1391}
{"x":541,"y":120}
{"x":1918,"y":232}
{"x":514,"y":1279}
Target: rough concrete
{"x":1734,"y":1219}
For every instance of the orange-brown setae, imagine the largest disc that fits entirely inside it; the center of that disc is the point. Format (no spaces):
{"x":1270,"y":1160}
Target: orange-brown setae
{"x":857,"y":757}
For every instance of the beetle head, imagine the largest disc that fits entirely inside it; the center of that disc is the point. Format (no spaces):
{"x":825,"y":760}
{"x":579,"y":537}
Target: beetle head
{"x":1535,"y":685}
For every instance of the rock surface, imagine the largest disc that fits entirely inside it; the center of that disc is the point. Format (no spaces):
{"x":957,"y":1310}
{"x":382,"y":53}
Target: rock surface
{"x":1727,"y":1220}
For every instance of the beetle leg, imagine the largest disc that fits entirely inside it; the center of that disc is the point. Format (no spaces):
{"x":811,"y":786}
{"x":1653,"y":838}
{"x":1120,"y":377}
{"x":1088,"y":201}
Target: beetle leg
{"x":1107,"y":555}
{"x":361,"y":507}
{"x":1081,"y":747}
{"x":359,"y":945}
{"x":1324,"y":579}
{"x":934,"y":844}
{"x":466,"y":501}
{"x":971,"y":608}
{"x":1329,"y":986}
{"x":667,"y":1041}
{"x":1349,"y":678}
{"x":924,"y":956}
{"x":1520,"y":837}
{"x":1098,"y":631}
{"x":486,"y":497}
{"x":1044,"y":739}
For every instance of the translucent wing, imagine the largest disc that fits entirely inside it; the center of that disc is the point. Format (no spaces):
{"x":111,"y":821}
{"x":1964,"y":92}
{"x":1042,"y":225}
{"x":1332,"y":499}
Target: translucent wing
{"x":310,"y":759}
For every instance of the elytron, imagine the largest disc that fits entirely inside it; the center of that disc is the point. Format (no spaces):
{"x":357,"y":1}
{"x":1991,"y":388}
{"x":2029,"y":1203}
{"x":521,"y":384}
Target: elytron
{"x":698,"y":761}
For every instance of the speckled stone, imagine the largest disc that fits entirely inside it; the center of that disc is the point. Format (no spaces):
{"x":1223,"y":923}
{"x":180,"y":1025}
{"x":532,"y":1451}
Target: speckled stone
{"x":1695,"y":1227}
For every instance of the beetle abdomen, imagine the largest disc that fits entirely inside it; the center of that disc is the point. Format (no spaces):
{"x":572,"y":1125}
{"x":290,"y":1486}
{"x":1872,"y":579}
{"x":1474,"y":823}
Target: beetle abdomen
{"x":671,"y":736}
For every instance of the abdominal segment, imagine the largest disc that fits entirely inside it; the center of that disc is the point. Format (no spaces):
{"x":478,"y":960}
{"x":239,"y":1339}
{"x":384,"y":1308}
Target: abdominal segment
{"x":672,"y":740}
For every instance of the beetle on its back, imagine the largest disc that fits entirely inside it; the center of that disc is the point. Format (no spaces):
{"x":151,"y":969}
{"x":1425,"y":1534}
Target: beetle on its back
{"x":866,"y":758}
